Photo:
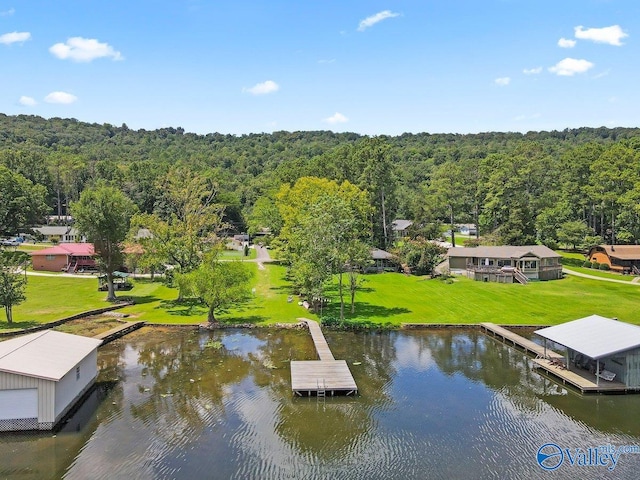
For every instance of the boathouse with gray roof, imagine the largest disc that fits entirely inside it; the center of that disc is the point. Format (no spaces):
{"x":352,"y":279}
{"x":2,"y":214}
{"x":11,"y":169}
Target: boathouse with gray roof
{"x":42,"y":376}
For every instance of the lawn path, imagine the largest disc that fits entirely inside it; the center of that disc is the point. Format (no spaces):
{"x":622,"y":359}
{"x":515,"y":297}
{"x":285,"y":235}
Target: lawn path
{"x":593,"y":277}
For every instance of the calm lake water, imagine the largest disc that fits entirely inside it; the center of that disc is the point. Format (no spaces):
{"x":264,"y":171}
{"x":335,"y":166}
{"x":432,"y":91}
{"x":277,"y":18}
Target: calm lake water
{"x":432,"y":404}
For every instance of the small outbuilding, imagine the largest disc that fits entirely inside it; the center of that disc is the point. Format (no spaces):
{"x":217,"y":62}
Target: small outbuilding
{"x":605,"y":347}
{"x":382,"y":261}
{"x":42,"y":376}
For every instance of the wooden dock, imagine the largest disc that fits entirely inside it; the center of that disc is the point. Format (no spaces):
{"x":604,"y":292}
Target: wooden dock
{"x":324,"y":376}
{"x":527,"y":345}
{"x":119,"y":331}
{"x":555,"y":364}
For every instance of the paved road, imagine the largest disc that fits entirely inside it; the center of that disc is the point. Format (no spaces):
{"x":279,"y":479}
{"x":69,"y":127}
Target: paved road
{"x":593,"y":277}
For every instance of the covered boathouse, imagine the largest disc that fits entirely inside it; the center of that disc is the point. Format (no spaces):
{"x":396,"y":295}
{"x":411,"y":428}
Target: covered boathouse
{"x":605,"y":349}
{"x":42,"y":376}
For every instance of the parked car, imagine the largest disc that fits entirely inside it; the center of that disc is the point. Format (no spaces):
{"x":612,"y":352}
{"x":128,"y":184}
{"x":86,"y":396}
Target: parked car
{"x":9,"y":242}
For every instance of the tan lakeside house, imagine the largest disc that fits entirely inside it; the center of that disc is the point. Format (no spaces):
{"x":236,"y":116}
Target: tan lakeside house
{"x":506,"y":264}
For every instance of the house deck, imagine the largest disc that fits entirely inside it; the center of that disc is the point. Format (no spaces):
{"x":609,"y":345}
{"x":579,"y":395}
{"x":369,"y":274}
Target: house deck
{"x":326,"y":375}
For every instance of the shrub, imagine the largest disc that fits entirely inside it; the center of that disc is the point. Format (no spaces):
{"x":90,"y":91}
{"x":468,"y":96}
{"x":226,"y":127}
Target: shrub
{"x":595,"y":265}
{"x":575,"y":262}
{"x":604,"y":266}
{"x":586,"y":264}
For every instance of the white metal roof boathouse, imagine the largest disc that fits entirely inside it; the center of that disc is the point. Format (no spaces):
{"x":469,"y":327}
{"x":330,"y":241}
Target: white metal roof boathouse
{"x":42,"y":375}
{"x":602,"y":353}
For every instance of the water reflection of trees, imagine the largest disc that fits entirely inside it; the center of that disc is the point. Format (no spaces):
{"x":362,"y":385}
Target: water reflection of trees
{"x":334,"y":427}
{"x":508,"y":370}
{"x":183,"y":380}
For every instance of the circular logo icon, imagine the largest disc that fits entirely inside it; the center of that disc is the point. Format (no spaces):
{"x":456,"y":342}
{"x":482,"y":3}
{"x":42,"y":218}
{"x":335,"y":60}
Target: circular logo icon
{"x":550,"y":456}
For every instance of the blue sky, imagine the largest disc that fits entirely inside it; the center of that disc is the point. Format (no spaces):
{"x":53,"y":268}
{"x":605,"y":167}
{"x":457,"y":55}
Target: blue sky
{"x":369,"y":67}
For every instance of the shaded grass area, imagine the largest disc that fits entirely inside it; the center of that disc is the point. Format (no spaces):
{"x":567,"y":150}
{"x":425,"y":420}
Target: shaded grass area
{"x":387,"y":298}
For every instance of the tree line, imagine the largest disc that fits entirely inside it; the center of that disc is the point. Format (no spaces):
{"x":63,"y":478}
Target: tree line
{"x":324,"y":198}
{"x":566,"y":187}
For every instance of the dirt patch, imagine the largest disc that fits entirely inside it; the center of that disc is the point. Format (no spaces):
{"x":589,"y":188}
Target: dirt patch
{"x":89,"y":326}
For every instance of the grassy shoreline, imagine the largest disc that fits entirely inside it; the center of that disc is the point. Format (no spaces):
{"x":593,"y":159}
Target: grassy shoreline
{"x":385,"y":299}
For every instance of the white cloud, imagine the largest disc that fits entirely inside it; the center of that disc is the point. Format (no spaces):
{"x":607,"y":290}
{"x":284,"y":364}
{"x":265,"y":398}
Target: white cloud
{"x":27,"y":101}
{"x":566,"y":43}
{"x":60,"y":97}
{"x":14,"y":37}
{"x":570,"y":66}
{"x":263,"y":88}
{"x":610,"y":35}
{"x":81,"y":49}
{"x":336,"y":118}
{"x":8,"y":13}
{"x":602,"y":74}
{"x":532,"y":71}
{"x":373,"y":19}
{"x":502,"y":81}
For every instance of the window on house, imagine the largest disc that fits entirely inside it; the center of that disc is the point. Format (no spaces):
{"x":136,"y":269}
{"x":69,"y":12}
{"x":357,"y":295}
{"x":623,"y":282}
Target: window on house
{"x":50,"y":257}
{"x":78,"y":373}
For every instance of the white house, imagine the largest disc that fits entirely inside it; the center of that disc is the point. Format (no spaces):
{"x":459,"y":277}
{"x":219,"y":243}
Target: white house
{"x":42,"y":375}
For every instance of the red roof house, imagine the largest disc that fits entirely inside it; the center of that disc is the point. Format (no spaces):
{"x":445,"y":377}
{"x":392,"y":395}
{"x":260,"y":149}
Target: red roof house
{"x":66,"y":257}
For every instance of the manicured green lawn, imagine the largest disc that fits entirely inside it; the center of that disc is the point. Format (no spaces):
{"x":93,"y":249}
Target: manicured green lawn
{"x":396,"y":298}
{"x":53,"y":298}
{"x":385,"y":298}
{"x":237,"y":254}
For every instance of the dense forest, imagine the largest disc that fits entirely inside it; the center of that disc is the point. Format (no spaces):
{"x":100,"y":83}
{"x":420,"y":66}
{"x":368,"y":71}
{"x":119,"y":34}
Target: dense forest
{"x":573,"y":187}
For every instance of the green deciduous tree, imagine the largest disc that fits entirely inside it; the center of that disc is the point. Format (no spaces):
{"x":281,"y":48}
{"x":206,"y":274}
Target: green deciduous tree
{"x":12,"y":287}
{"x":322,"y":223}
{"x":217,"y":284}
{"x":420,"y":255}
{"x":103,"y":215}
{"x":574,"y":233}
{"x":186,"y":224}
{"x":22,"y":203}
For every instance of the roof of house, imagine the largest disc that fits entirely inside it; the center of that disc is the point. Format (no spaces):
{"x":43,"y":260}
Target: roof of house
{"x":504,"y":251}
{"x":378,"y":254}
{"x":399,"y":225}
{"x":48,"y":354}
{"x":53,"y":230}
{"x":594,"y":336}
{"x":623,"y":252}
{"x":143,"y":233}
{"x":73,"y":249}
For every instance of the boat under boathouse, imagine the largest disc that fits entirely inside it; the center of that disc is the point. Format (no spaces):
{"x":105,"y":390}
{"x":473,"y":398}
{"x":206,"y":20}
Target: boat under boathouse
{"x":604,"y":348}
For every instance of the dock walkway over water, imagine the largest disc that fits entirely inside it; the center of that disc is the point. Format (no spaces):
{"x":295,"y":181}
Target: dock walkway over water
{"x":527,"y":345}
{"x":555,"y":364}
{"x":119,"y":331}
{"x":326,"y":375}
